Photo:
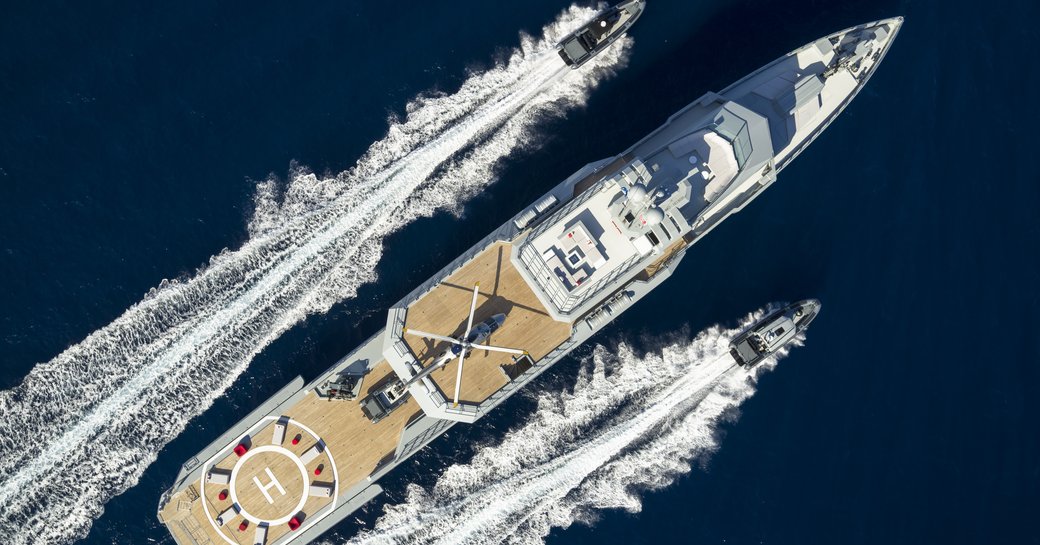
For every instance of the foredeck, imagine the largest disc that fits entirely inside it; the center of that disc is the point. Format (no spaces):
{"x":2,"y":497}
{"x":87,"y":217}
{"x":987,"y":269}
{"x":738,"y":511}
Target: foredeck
{"x":354,"y":448}
{"x":444,"y":310}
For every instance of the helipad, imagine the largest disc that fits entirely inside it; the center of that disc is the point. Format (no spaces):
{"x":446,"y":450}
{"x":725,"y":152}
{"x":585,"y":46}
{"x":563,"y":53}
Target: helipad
{"x":268,"y":498}
{"x":277,"y":478}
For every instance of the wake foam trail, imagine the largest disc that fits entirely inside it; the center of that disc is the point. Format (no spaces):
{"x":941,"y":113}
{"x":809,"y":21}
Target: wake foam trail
{"x":631,"y":424}
{"x":84,"y":426}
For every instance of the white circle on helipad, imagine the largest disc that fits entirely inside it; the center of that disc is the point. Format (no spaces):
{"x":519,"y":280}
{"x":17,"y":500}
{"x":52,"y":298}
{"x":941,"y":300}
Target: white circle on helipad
{"x":311,"y":521}
{"x":259,"y":450}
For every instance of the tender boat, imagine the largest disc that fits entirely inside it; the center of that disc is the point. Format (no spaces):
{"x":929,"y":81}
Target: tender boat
{"x":581,"y":45}
{"x":773,"y":332}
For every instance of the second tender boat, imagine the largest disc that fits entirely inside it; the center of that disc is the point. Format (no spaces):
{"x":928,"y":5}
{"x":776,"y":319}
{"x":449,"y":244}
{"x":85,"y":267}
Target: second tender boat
{"x":514,"y":304}
{"x":581,"y":45}
{"x":773,"y":332}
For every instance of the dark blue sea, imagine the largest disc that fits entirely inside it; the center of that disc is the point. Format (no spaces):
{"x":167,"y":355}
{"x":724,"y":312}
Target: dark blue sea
{"x":133,"y":135}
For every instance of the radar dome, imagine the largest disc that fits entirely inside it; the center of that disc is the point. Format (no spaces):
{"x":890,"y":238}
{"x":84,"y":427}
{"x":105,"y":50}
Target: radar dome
{"x":637,"y":193}
{"x":653,"y":216}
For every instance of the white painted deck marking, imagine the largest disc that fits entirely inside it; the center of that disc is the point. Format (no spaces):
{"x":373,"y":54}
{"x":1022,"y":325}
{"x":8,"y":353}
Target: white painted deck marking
{"x":311,"y":521}
{"x":265,"y":487}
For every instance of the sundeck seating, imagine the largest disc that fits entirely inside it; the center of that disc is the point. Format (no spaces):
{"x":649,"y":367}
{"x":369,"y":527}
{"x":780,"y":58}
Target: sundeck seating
{"x":218,"y":476}
{"x":226,"y":516}
{"x":279,"y":432}
{"x":320,"y":490}
{"x":311,"y":454}
{"x":581,"y":255}
{"x":260,"y":537}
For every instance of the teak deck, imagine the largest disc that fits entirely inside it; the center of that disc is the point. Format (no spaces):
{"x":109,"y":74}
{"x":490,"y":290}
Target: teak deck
{"x":502,"y":290}
{"x":356,"y":444}
{"x":353,"y":442}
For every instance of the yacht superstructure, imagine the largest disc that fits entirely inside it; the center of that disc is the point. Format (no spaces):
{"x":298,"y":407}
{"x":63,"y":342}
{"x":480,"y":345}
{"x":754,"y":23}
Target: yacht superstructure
{"x":514,"y":304}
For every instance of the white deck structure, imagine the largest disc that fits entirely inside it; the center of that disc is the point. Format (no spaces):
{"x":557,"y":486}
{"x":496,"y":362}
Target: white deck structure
{"x":586,"y":245}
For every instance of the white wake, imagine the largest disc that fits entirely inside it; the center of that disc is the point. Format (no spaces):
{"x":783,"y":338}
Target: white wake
{"x":84,"y":426}
{"x":631,"y":424}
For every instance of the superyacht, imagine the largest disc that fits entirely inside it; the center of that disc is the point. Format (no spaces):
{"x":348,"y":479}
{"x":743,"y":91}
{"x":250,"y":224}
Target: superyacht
{"x":514,"y":304}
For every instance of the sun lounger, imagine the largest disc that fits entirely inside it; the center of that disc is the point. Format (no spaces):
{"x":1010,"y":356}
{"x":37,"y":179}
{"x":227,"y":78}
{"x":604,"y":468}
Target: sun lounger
{"x":218,"y":476}
{"x":311,"y":454}
{"x":260,"y":537}
{"x":279,"y":433}
{"x":226,"y":516}
{"x":320,"y":490}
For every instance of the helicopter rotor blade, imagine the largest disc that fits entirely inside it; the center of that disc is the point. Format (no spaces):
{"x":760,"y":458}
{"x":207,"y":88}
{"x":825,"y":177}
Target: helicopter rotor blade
{"x":418,"y":333}
{"x":498,"y":349}
{"x":472,"y":309}
{"x":458,"y":376}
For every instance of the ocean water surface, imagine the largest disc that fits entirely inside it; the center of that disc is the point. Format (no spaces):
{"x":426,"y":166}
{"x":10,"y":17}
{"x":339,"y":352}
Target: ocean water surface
{"x":135,"y":140}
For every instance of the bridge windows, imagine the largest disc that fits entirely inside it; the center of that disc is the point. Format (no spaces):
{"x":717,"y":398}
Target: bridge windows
{"x":734,"y":129}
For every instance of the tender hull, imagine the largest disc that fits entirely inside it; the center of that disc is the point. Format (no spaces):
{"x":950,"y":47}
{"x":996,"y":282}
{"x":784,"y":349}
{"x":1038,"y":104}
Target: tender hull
{"x":768,"y":335}
{"x":583,"y":44}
